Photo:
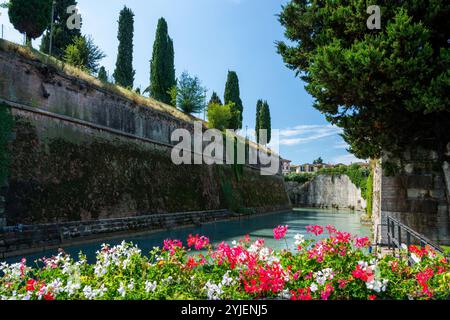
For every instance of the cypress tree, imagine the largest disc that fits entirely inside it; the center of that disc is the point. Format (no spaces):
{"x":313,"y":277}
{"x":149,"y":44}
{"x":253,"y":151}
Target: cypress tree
{"x":62,"y":36}
{"x":102,"y":74}
{"x":259,"y":105}
{"x":124,"y":73}
{"x":265,"y":120}
{"x":162,"y":67}
{"x":31,"y":17}
{"x":232,"y":95}
{"x":215,"y":99}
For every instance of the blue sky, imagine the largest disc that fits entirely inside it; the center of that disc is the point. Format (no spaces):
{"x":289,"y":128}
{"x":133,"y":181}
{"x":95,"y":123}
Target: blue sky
{"x":210,"y":38}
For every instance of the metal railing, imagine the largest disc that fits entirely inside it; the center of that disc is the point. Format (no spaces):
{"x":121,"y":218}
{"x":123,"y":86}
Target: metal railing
{"x":399,"y":234}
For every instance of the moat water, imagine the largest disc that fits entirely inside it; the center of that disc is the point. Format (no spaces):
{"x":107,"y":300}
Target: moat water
{"x":258,"y":227}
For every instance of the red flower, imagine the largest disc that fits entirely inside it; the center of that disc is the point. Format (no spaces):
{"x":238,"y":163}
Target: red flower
{"x":372,"y":297}
{"x":364,"y":275}
{"x":31,"y":285}
{"x":49,"y":296}
{"x":191,"y":263}
{"x":280,"y":232}
{"x":423,"y":277}
{"x":301,"y":294}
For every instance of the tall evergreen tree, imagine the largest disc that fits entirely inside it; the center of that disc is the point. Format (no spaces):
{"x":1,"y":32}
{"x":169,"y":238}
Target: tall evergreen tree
{"x":124,"y":73}
{"x":162,"y":67}
{"x":102,"y":74}
{"x":265,"y":120}
{"x":31,"y":17}
{"x":215,"y":99}
{"x":232,"y":95}
{"x":259,"y":106}
{"x":389,"y":88}
{"x":62,"y":36}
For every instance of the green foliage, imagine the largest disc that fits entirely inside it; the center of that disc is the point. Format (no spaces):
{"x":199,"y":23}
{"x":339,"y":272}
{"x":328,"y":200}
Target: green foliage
{"x":84,"y":54}
{"x":30,"y":16}
{"x":299,"y":178}
{"x":318,"y":161}
{"x":219,"y":116}
{"x":232,"y":95}
{"x":215,"y":99}
{"x":124,"y":73}
{"x":6,"y":125}
{"x":62,"y":36}
{"x":391,"y":169}
{"x":259,"y":106}
{"x":265,"y":121}
{"x":190,"y":94}
{"x":102,"y":75}
{"x":162,"y":67}
{"x":388,"y":89}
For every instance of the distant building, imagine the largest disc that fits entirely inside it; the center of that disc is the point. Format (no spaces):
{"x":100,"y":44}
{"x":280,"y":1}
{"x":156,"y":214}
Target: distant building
{"x":286,"y":166}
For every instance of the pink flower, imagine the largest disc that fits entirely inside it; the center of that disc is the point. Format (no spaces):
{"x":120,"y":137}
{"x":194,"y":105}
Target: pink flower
{"x":280,"y":232}
{"x":172,"y":245}
{"x":198,"y":242}
{"x":316,"y":230}
{"x":331,"y":229}
{"x":362,"y":242}
{"x":327,"y":292}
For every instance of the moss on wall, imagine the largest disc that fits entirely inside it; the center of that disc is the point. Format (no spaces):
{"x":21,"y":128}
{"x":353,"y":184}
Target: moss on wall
{"x":60,"y":178}
{"x":6,"y":123}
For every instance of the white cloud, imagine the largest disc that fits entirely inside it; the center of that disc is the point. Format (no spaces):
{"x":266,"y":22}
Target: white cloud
{"x":346,"y":159}
{"x":341,"y":145}
{"x":307,"y":133}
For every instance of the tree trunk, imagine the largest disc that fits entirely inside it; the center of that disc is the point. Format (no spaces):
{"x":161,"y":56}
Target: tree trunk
{"x":28,"y":42}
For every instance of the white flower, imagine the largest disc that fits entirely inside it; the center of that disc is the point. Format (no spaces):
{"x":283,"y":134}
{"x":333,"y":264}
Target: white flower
{"x":285,"y":294}
{"x":299,"y":239}
{"x":234,"y":243}
{"x":122,"y":290}
{"x":227,"y":280}
{"x":415,"y":258}
{"x":213,"y":291}
{"x":88,"y":293}
{"x":314,"y":287}
{"x":131,"y":285}
{"x":150,"y":286}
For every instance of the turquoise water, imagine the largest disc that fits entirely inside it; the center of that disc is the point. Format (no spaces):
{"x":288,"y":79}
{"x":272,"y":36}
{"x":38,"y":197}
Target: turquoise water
{"x":258,"y":227}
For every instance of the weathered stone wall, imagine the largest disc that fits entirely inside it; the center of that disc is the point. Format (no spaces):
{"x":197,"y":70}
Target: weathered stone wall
{"x":379,"y":229}
{"x":83,"y":152}
{"x":414,"y":191}
{"x":327,"y":191}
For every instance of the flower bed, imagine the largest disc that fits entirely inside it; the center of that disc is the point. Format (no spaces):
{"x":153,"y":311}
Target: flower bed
{"x":337,"y":267}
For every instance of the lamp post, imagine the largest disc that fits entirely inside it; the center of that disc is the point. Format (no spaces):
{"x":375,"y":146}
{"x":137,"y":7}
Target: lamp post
{"x":51,"y":28}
